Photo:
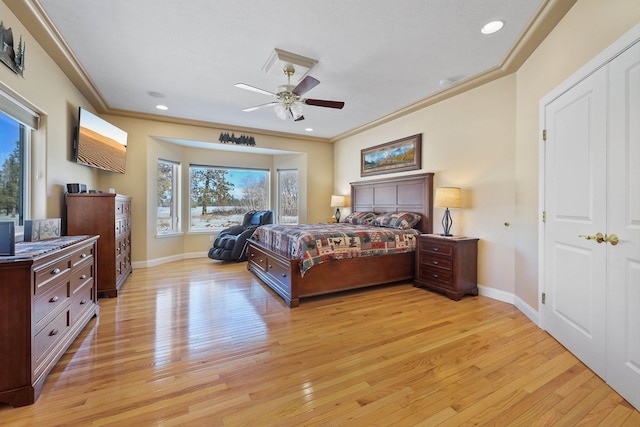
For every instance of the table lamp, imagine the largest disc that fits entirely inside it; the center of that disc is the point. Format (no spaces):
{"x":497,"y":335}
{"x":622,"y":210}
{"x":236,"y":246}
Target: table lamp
{"x":447,"y":197}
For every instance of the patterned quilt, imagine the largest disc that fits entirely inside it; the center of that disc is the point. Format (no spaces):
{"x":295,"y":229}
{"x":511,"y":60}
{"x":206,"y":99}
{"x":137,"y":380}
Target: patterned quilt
{"x":317,"y":243}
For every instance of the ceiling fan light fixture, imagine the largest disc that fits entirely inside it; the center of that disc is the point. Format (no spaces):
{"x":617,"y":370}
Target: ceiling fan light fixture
{"x":281,"y":111}
{"x":296,"y":110}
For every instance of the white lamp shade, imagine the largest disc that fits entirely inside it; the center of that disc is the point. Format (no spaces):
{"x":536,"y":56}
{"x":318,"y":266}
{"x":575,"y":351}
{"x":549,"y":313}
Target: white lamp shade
{"x":447,"y":197}
{"x":337,"y":201}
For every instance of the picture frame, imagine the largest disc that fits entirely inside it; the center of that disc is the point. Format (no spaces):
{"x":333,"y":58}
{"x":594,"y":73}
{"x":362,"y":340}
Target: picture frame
{"x":41,"y":229}
{"x":403,"y":154}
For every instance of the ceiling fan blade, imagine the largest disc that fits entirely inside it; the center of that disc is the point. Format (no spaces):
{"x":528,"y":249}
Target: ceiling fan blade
{"x":299,"y":118}
{"x":254,"y":89}
{"x":257,"y":107}
{"x":305,"y":85}
{"x":323,"y":103}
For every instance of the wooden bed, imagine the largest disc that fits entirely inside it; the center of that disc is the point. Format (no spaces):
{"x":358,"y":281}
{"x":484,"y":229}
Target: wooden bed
{"x":413,"y":193}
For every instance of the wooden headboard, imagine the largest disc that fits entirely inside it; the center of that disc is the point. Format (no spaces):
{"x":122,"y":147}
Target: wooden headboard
{"x":408,"y":193}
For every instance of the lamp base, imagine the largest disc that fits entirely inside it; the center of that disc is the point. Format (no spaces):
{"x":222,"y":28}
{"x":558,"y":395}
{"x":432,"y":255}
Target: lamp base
{"x":447,"y":222}
{"x":338,"y":215}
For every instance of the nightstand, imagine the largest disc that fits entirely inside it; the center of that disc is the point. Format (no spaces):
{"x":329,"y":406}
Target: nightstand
{"x":447,"y":264}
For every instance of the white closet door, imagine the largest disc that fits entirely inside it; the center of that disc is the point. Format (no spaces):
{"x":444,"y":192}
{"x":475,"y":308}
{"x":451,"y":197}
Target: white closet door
{"x":623,"y":219}
{"x":575,"y":205}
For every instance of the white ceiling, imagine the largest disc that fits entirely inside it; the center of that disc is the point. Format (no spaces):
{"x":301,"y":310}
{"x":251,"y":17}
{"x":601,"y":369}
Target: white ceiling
{"x":377,"y":56}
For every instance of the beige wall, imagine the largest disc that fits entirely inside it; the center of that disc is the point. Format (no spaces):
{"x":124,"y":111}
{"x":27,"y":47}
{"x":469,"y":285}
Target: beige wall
{"x":145,"y":146}
{"x":468,"y":142}
{"x":486,"y":141}
{"x":46,"y":90}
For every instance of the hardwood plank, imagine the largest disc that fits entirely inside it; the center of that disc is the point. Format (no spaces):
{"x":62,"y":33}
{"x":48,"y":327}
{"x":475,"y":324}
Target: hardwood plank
{"x":203,"y":343}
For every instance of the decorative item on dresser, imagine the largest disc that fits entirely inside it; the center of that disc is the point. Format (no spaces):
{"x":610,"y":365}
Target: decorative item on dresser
{"x":47,"y":296}
{"x":108,"y":215}
{"x":447,"y":264}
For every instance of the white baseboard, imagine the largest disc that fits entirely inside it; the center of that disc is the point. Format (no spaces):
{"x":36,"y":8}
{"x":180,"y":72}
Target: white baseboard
{"x":512,"y":299}
{"x":165,"y":260}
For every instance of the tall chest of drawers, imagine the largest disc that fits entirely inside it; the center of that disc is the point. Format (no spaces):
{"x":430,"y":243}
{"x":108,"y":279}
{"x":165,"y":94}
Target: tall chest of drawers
{"x":447,"y":264}
{"x":108,"y":215}
{"x":47,"y":296}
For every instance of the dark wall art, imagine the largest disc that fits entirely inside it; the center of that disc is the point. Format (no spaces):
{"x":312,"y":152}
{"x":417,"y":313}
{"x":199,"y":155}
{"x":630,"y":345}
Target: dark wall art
{"x":12,"y":56}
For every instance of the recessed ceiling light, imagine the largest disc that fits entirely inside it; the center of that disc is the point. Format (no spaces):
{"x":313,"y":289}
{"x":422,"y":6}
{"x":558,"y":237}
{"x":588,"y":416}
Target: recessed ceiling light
{"x":162,"y":107}
{"x":492,"y":27}
{"x":309,"y":129}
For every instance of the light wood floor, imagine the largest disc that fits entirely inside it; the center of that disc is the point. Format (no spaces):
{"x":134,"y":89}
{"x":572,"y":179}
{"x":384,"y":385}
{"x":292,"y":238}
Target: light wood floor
{"x":199,"y":343}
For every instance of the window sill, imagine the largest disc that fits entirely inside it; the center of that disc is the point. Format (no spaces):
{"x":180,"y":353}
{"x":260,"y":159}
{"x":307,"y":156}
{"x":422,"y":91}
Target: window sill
{"x":172,"y":234}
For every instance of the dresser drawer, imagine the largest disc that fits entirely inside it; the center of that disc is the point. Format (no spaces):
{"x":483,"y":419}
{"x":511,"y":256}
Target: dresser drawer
{"x":80,"y":276}
{"x":49,"y":335}
{"x":439,"y":262}
{"x":81,"y":301}
{"x":48,"y":302}
{"x":431,"y":247}
{"x":52,"y":274}
{"x":84,"y":255}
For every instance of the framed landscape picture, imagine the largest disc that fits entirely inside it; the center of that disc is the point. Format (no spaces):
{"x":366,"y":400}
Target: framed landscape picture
{"x":396,"y":156}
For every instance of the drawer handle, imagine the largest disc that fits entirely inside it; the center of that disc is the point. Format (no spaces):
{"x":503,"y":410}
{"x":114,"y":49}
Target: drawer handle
{"x":83,"y":302}
{"x":261,"y":260}
{"x":270,"y":266}
{"x":118,"y":249}
{"x":53,"y":332}
{"x":435,"y":249}
{"x":55,"y":271}
{"x":84,"y":276}
{"x":83,"y":255}
{"x":435,"y":262}
{"x":284,"y":275}
{"x":435,"y":276}
{"x":252,"y":255}
{"x":54,"y":299}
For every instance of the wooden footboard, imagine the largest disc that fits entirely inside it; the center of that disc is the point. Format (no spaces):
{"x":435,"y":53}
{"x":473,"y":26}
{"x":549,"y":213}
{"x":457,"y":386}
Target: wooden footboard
{"x":282,"y":274}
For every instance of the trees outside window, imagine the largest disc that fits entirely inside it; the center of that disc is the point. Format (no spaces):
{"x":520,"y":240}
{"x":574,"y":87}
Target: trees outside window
{"x":168,"y":197}
{"x":288,"y":196}
{"x":13,"y":171}
{"x":219,"y":197}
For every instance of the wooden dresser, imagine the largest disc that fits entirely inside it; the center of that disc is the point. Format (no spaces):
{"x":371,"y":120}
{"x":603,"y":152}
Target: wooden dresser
{"x":108,"y":215}
{"x":447,"y":264}
{"x":47,"y":296}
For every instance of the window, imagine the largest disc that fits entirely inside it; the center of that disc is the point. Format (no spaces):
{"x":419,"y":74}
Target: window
{"x":16,"y":123}
{"x":219,"y":197}
{"x":168,"y":208}
{"x":288,"y":196}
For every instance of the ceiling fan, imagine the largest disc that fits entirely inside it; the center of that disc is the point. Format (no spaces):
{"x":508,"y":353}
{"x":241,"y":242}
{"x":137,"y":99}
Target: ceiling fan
{"x":289,"y":98}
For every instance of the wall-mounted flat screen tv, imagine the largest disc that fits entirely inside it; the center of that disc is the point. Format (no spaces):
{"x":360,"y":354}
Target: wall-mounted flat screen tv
{"x":100,"y":144}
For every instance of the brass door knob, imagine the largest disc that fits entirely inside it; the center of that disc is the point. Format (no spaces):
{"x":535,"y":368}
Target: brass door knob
{"x":611,"y":238}
{"x":598,"y":237}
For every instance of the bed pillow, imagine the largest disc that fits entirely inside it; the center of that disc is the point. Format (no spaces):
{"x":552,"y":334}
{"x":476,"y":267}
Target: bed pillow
{"x":402,"y":220}
{"x":360,"y":218}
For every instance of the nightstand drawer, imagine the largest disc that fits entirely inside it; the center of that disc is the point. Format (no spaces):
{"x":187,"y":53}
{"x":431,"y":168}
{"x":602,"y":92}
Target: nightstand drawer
{"x":436,"y":275}
{"x":431,"y":247}
{"x":430,"y":260}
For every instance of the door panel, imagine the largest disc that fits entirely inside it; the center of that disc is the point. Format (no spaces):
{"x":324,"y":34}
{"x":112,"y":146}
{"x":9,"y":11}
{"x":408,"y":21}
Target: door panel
{"x":623,"y":215}
{"x":575,"y":205}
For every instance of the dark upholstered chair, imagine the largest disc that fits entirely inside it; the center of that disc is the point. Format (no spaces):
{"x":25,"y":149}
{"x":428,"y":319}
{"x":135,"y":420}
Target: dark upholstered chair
{"x":231,"y":243}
